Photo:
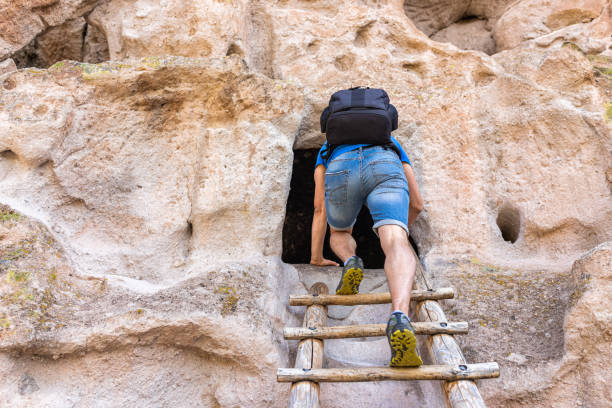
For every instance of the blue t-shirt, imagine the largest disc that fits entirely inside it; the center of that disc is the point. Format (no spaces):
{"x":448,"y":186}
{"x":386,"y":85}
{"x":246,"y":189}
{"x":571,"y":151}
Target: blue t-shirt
{"x":348,"y":147}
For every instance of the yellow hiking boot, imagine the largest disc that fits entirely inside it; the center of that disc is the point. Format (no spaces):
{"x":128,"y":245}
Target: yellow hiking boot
{"x":402,"y":341}
{"x":352,"y":274}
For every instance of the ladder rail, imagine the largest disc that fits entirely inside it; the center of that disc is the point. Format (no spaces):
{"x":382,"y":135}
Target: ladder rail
{"x":305,"y":393}
{"x":444,"y":349}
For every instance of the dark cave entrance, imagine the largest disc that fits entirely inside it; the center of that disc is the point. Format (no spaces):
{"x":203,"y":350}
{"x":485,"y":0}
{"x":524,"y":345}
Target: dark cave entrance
{"x":298,"y":220}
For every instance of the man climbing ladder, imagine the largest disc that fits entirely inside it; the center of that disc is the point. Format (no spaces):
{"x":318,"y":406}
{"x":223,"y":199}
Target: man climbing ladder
{"x":362,"y":163}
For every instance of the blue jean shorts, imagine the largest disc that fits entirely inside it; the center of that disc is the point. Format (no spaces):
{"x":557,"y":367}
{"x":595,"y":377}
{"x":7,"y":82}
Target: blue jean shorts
{"x":371,"y":175}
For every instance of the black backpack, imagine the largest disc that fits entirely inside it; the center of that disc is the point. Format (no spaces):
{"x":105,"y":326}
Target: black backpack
{"x":359,"y":116}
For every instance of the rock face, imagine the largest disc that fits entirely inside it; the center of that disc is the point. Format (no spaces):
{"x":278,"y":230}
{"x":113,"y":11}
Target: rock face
{"x":466,"y":24}
{"x":492,"y":26}
{"x":93,"y":121}
{"x":74,"y":40}
{"x":42,"y":32}
{"x":110,"y":154}
{"x":552,"y":340}
{"x":468,"y":35}
{"x":588,"y":335}
{"x":23,"y":20}
{"x":588,"y":22}
{"x":431,"y":16}
{"x":6,"y":66}
{"x":145,"y":197}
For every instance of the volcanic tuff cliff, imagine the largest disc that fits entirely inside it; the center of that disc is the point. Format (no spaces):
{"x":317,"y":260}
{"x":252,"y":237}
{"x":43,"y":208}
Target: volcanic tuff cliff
{"x":146,"y":154}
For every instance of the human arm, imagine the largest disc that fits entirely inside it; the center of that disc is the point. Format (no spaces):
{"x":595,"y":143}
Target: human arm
{"x":319,"y":221}
{"x":416,"y":201}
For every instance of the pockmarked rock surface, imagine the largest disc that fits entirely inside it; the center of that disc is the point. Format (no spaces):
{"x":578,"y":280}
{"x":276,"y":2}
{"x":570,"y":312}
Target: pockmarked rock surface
{"x":551,"y":337}
{"x":68,"y":337}
{"x":129,"y":191}
{"x":139,"y":165}
{"x":141,"y":242}
{"x":587,"y":353}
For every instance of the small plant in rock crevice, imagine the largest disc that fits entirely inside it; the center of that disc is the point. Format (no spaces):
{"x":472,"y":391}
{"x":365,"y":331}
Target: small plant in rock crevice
{"x":230,"y":299}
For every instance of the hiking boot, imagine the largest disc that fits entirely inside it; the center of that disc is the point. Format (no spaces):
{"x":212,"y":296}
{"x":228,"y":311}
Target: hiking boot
{"x":352,"y":274}
{"x":402,"y":342}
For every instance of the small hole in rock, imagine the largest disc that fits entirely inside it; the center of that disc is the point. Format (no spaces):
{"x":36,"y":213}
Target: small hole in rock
{"x":234,"y":49}
{"x":509,"y":222}
{"x":189,"y":229}
{"x":8,"y":155}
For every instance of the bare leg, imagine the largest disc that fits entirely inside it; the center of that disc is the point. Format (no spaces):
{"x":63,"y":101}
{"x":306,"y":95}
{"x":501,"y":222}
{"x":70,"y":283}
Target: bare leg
{"x":342,"y":243}
{"x":400,"y":265}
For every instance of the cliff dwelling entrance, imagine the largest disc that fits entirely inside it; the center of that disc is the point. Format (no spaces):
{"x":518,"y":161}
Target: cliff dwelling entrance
{"x":298,"y":220}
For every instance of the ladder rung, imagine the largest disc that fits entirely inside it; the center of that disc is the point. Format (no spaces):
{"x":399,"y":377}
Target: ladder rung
{"x":368,"y":298}
{"x":371,"y":330}
{"x":360,"y":374}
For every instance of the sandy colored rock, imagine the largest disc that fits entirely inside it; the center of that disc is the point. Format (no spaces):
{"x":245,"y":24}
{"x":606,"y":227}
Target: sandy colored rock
{"x":468,"y":35}
{"x":466,"y":24}
{"x":6,"y":66}
{"x":18,"y":26}
{"x":433,"y":15}
{"x":192,"y":29}
{"x":74,"y":40}
{"x":63,"y":42}
{"x":95,"y":45}
{"x":93,"y":180}
{"x":551,"y":340}
{"x":528,"y":19}
{"x":591,"y":38}
{"x":584,"y":373}
{"x":21,"y":21}
{"x":101,"y":335}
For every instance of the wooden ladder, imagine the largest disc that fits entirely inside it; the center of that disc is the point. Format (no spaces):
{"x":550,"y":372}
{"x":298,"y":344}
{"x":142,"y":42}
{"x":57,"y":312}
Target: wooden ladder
{"x":449,"y":364}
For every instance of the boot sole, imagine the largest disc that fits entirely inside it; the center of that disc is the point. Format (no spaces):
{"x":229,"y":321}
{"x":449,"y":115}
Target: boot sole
{"x":403,"y":343}
{"x":350,"y":282}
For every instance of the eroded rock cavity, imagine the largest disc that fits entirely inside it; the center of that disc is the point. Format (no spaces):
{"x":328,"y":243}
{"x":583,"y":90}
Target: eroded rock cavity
{"x":74,"y":40}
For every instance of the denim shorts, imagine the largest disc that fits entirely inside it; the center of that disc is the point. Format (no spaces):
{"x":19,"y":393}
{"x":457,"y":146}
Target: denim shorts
{"x":371,"y":175}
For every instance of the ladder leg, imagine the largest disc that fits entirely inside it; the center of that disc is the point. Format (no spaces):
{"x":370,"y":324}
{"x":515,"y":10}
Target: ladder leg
{"x":444,"y":349}
{"x":305,"y":394}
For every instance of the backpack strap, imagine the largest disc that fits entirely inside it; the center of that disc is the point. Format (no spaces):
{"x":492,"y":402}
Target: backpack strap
{"x":326,"y":154}
{"x":393,"y":147}
{"x":358,"y":97}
